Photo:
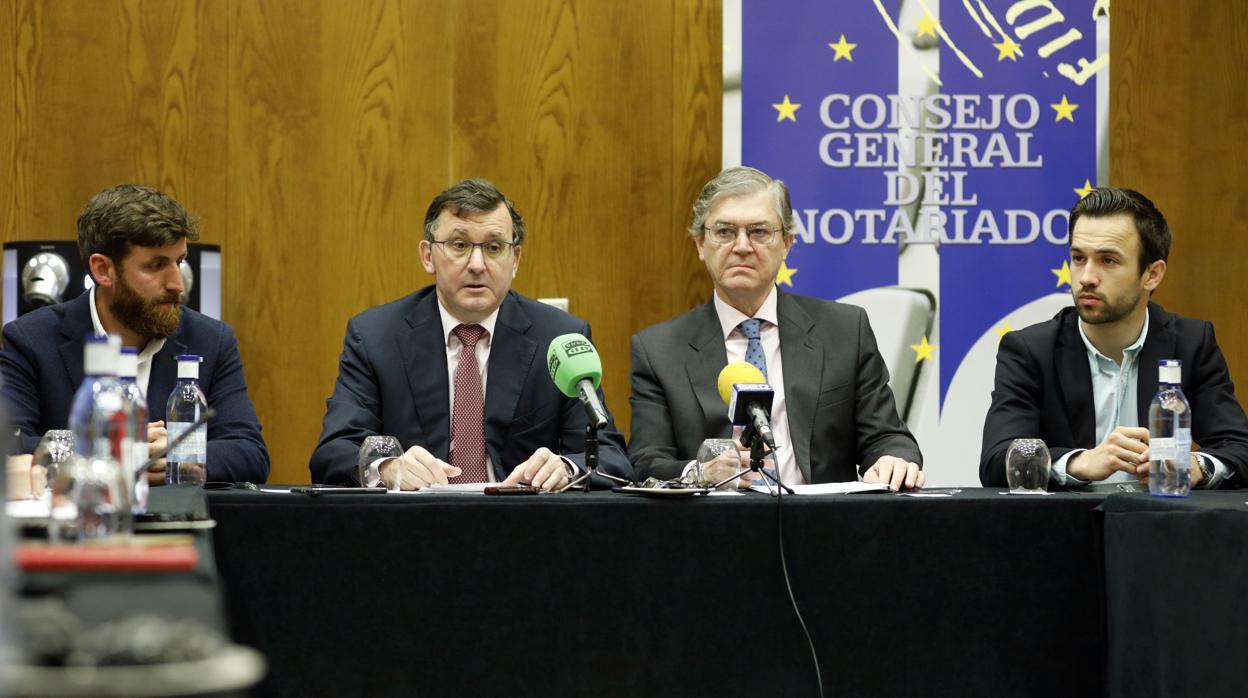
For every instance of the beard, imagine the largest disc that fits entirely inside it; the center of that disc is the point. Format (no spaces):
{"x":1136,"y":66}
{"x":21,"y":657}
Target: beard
{"x":1109,"y":311}
{"x":143,"y":316}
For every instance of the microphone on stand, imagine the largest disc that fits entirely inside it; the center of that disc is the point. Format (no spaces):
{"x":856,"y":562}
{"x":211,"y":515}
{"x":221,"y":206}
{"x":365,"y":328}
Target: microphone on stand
{"x":576,"y":369}
{"x":744,"y":389}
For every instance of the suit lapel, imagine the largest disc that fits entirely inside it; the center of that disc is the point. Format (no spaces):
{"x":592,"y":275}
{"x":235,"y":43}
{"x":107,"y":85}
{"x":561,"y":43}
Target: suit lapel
{"x":707,"y":358}
{"x":803,"y":376}
{"x":1159,"y":344}
{"x":1075,"y":380}
{"x":75,"y":327}
{"x":512,"y":352}
{"x":423,"y":349}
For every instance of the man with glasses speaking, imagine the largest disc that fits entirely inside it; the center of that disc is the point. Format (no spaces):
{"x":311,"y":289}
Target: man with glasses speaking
{"x":833,"y":414}
{"x":457,"y":371}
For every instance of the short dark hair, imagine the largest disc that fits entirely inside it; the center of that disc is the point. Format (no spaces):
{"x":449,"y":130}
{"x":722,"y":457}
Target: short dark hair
{"x":472,"y":196}
{"x":1150,"y":225}
{"x":126,"y":215}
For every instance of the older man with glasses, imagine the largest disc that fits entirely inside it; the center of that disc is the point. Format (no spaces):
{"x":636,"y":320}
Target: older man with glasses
{"x":833,"y":415}
{"x":457,"y":371}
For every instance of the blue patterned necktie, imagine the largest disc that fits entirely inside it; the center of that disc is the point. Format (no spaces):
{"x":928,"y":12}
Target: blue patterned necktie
{"x":754,"y":348}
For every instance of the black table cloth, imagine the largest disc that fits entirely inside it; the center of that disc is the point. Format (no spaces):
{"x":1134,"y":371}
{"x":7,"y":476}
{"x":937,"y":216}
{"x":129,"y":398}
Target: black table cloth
{"x":1176,"y":575}
{"x":614,"y":595}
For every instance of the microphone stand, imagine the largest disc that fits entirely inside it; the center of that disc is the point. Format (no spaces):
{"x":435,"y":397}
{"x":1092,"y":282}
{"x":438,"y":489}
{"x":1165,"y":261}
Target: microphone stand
{"x":758,"y":450}
{"x":591,"y":459}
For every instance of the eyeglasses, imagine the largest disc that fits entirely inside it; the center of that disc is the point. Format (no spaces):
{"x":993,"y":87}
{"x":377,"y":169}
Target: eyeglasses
{"x":726,"y":234}
{"x":460,"y":249}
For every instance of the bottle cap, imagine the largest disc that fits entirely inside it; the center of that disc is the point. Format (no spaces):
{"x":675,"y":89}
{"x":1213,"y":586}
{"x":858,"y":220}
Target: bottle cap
{"x":1170,"y":371}
{"x":99,"y":355}
{"x":128,"y":363}
{"x":188,"y":366}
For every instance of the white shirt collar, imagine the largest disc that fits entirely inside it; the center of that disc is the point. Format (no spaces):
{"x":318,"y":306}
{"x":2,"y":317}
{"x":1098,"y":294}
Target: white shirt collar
{"x":450,"y":322}
{"x":153,"y":345}
{"x":730,"y":317}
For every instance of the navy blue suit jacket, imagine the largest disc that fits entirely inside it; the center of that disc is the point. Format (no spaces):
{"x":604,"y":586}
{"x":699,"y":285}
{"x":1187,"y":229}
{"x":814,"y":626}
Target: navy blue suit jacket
{"x":41,"y":367}
{"x":392,"y":380}
{"x":1044,"y":390}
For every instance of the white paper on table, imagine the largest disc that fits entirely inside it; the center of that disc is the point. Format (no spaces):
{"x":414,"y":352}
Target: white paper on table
{"x":1033,"y":493}
{"x":832,"y":488}
{"x":27,"y":509}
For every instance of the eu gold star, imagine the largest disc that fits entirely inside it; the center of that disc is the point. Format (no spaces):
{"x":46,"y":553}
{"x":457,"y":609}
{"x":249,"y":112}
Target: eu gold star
{"x":927,"y":25}
{"x":1003,"y":330}
{"x":923,"y":350}
{"x":1085,"y":189}
{"x":1063,"y":274}
{"x":1065,"y":110}
{"x":786,"y":110}
{"x":785,"y":275}
{"x":843,"y":49}
{"x":1008,"y":49}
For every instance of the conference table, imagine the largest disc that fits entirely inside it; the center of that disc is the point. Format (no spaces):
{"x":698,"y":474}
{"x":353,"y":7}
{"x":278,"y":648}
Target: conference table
{"x":607,"y":594}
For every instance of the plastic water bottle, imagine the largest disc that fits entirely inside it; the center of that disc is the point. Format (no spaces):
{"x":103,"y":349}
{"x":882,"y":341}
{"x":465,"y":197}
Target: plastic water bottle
{"x":127,"y":374}
{"x":187,"y":463}
{"x":1169,"y":434}
{"x":100,"y":418}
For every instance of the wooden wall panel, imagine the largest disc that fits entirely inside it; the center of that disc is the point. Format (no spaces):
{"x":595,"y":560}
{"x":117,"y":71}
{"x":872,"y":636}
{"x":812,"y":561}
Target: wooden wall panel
{"x":585,"y":113}
{"x":310,"y":135}
{"x":1179,"y":134}
{"x":111,"y":92}
{"x":337,"y":140}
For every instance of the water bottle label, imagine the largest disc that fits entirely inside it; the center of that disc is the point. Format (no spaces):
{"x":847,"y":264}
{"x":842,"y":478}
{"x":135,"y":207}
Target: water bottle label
{"x":1162,"y":448}
{"x":1182,"y":441}
{"x":193,"y":449}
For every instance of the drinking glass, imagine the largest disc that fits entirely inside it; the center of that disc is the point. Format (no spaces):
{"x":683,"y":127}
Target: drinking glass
{"x":709,"y":451}
{"x":375,"y":448}
{"x":87,"y":500}
{"x":53,"y":450}
{"x":1027,"y":466}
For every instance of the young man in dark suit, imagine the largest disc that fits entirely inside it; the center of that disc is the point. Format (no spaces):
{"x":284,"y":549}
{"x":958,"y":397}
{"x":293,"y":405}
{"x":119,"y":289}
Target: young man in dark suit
{"x":1083,"y":381}
{"x":132,"y":239}
{"x":457,"y":371}
{"x":834,"y":416}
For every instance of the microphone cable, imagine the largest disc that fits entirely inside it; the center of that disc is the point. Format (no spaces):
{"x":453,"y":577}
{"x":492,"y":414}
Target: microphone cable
{"x":784,"y":567}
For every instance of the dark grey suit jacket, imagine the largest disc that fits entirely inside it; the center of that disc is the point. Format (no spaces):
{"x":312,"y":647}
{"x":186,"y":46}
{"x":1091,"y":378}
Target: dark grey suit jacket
{"x":392,"y":380}
{"x":1044,"y":390}
{"x":841,"y":412}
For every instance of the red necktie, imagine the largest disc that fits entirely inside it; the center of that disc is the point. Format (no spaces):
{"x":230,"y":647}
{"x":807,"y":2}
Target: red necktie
{"x":468,"y":413}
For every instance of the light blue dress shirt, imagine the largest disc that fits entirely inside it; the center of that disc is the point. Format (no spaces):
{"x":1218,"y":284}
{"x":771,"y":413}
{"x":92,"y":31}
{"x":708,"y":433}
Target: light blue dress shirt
{"x":1114,"y":392}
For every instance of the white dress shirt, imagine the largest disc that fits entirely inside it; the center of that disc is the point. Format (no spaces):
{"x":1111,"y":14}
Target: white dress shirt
{"x":453,"y":347}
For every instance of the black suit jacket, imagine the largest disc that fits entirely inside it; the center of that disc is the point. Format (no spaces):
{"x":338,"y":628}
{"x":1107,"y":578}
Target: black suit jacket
{"x":841,"y":411}
{"x":1044,"y":390}
{"x":41,"y":366}
{"x":392,"y":379}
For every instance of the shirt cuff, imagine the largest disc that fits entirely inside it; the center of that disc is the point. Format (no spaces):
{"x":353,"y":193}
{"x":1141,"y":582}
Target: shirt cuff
{"x":1220,"y":471}
{"x":1059,"y":473}
{"x":570,"y":467}
{"x":371,"y":477}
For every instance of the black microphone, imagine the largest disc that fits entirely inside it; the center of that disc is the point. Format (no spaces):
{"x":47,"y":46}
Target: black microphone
{"x":749,"y":398}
